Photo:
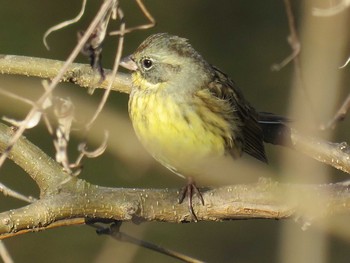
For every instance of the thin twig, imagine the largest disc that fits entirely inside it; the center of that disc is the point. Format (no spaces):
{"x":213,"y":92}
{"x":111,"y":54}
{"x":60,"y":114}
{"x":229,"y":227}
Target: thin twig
{"x":104,"y":8}
{"x":114,"y":231}
{"x":286,"y":61}
{"x":98,"y":151}
{"x":16,"y":97}
{"x":294,"y":42}
{"x":63,"y":24}
{"x":339,"y":116}
{"x":165,"y":251}
{"x":113,"y":74}
{"x":140,"y":27}
{"x":6,"y":191}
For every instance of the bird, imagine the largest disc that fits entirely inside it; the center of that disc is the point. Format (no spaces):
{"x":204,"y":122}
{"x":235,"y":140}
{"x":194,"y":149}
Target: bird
{"x":186,"y":111}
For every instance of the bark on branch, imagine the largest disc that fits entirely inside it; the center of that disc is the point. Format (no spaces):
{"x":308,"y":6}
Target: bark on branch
{"x":69,"y":202}
{"x":80,"y":74}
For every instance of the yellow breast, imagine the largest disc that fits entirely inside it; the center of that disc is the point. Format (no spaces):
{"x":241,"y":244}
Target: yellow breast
{"x":177,"y":132}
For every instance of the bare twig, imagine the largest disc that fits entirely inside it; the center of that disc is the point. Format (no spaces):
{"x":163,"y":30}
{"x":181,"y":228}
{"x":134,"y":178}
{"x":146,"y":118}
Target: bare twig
{"x":16,"y":97}
{"x":6,"y":191}
{"x":97,"y":152}
{"x":339,"y":116}
{"x":114,"y":231}
{"x":36,"y":117}
{"x":93,"y":47}
{"x":113,"y":74}
{"x":294,"y":42}
{"x":63,"y":24}
{"x":286,"y":61}
{"x":140,"y":27}
{"x":104,"y":8}
{"x":82,"y":148}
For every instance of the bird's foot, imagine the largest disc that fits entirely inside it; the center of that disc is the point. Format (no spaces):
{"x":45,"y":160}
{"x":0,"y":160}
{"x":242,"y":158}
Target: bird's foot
{"x":190,"y":190}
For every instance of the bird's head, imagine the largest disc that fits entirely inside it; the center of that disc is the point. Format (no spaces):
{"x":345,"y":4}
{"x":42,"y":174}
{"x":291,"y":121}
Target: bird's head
{"x":164,"y":60}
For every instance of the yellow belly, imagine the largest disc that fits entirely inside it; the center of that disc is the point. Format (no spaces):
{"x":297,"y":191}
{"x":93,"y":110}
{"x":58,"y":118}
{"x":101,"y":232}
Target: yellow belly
{"x":174,"y":133}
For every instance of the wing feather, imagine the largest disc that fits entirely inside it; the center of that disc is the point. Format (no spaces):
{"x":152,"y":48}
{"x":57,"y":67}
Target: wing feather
{"x":246,"y":117}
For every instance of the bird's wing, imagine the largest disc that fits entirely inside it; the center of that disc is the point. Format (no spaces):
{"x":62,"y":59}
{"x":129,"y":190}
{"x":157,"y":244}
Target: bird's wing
{"x":251,"y":133}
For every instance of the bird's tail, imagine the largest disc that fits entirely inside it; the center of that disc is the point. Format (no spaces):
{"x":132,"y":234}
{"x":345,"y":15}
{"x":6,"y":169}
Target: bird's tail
{"x":275,"y":130}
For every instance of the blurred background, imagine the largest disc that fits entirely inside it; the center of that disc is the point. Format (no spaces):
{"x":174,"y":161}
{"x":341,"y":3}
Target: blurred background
{"x":244,"y":39}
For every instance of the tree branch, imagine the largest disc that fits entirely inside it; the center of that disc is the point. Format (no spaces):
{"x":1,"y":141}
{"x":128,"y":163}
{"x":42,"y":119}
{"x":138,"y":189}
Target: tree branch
{"x":67,"y":202}
{"x":80,"y":74}
{"x":336,"y":155}
{"x":41,"y":168}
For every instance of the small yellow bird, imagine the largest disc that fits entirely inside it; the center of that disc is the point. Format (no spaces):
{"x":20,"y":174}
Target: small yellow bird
{"x":186,"y":112}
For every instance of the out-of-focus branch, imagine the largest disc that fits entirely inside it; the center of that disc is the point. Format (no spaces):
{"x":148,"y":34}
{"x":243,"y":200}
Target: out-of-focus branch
{"x":334,"y":9}
{"x":5,"y":256}
{"x":336,"y":155}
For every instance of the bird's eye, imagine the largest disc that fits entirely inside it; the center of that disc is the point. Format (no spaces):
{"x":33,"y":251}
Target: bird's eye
{"x":147,"y":63}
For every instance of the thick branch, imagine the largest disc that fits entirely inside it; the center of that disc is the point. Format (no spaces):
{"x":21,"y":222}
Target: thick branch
{"x":76,"y":198}
{"x":41,"y":168}
{"x":262,"y":200}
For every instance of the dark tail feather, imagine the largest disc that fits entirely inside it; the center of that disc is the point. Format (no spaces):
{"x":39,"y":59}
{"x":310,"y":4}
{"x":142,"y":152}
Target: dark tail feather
{"x":275,"y":130}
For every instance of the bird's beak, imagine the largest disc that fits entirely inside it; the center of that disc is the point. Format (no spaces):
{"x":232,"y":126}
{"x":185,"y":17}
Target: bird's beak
{"x":128,"y":63}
